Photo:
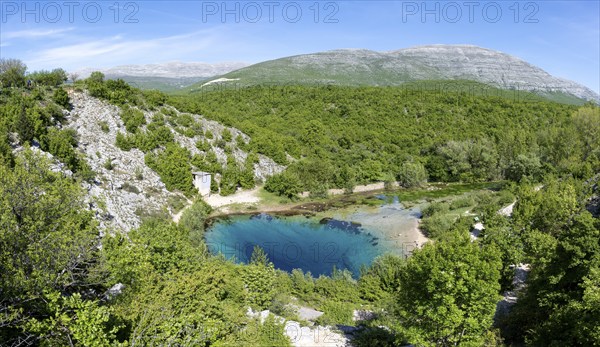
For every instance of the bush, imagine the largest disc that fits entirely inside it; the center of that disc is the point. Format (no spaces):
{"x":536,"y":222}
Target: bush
{"x":124,"y":142}
{"x":412,"y":175}
{"x":155,"y":98}
{"x":220,"y":143}
{"x":192,"y":219}
{"x":139,"y":173}
{"x":60,"y":144}
{"x":435,"y":208}
{"x":375,"y":336}
{"x":108,"y":165}
{"x":12,"y":72}
{"x":104,"y":127}
{"x":284,"y":184}
{"x":177,"y":202}
{"x":226,"y":135}
{"x":522,"y":166}
{"x":132,"y":118}
{"x":436,"y":226}
{"x":154,"y":137}
{"x":336,"y":312}
{"x":173,"y":166}
{"x":270,"y":333}
{"x":52,"y":78}
{"x":185,"y":120}
{"x":203,"y":145}
{"x":462,"y":202}
{"x":239,"y":141}
{"x":229,"y":181}
{"x":128,"y":187}
{"x":61,"y":98}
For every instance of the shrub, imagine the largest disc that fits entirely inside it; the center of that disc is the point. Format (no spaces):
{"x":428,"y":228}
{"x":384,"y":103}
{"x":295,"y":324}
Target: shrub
{"x":155,"y":98}
{"x":173,"y":166}
{"x":524,"y":165}
{"x":189,"y":132}
{"x":221,"y":143}
{"x":139,"y":174}
{"x":318,"y":191}
{"x":124,"y":142}
{"x":435,"y":208}
{"x":239,"y":141}
{"x":128,"y":187}
{"x":412,"y":175}
{"x":60,"y":143}
{"x":336,"y":312}
{"x":192,"y":219}
{"x":284,"y":184}
{"x":52,"y":78}
{"x":12,"y":72}
{"x":203,"y":145}
{"x":104,"y":126}
{"x":226,"y":135}
{"x":132,"y":118}
{"x":229,"y":180}
{"x":155,"y":136}
{"x":185,"y":120}
{"x":462,"y":202}
{"x":177,"y":202}
{"x":108,"y":165}
{"x":61,"y":98}
{"x":436,"y":226}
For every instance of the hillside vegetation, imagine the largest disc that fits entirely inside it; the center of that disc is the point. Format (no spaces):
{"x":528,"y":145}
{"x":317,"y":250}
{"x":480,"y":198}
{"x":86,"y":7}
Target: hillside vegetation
{"x":339,"y":136}
{"x":65,"y":281}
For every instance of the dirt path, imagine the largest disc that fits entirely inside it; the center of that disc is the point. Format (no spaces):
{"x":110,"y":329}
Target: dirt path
{"x":358,"y":189}
{"x":240,"y":197}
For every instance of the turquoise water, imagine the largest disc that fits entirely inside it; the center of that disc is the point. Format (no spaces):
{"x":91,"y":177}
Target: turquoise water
{"x":298,"y":242}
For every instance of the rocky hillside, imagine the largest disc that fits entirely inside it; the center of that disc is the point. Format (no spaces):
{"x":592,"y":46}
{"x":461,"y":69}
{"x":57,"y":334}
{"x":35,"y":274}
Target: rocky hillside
{"x":126,"y":190}
{"x":433,"y":62}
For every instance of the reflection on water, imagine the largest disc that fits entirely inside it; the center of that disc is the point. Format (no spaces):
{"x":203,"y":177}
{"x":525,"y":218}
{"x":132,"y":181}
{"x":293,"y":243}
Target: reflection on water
{"x":347,"y":238}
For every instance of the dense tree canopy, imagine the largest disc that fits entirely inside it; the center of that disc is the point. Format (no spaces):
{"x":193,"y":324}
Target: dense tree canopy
{"x":375,"y":131}
{"x":448,"y":293}
{"x":47,"y":241}
{"x":63,"y":283}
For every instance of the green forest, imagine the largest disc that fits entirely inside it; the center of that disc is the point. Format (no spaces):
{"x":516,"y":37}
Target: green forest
{"x":58,"y":271}
{"x":335,"y":137}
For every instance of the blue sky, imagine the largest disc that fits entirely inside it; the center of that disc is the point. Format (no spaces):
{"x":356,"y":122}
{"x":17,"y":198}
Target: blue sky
{"x":562,"y":37}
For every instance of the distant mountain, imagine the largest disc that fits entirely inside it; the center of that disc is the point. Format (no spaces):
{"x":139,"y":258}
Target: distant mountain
{"x":432,"y":62}
{"x":167,"y":76}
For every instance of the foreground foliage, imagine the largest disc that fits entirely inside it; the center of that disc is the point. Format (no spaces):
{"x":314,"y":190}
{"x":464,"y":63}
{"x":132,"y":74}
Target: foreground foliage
{"x":158,"y":285}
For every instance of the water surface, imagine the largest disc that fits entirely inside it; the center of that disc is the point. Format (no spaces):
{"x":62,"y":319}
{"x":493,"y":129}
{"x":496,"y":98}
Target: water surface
{"x":347,"y":238}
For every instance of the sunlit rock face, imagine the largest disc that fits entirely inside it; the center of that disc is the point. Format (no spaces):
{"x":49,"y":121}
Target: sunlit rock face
{"x":432,"y":62}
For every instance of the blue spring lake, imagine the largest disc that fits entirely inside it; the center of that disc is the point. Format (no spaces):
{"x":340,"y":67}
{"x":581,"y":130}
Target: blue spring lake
{"x":313,"y":244}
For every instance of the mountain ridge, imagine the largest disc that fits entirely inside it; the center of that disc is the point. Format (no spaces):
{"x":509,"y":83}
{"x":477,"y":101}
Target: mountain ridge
{"x":172,"y":69}
{"x":389,"y":68}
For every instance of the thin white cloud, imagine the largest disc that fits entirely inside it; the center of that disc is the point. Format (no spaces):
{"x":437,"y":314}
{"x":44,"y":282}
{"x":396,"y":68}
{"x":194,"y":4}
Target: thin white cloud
{"x":33,"y":33}
{"x":117,"y":50}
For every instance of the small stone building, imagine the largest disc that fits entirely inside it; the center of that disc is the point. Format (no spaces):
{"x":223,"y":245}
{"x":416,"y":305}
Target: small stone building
{"x":202,"y":182}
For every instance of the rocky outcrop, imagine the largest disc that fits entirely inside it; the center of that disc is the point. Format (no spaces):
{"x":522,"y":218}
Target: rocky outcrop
{"x":126,"y":189}
{"x":432,"y":62}
{"x":307,"y":336}
{"x":490,"y":67}
{"x":264,"y":168}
